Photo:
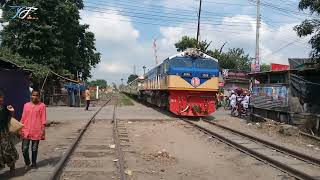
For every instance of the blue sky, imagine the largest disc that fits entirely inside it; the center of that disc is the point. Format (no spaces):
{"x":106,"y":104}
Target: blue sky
{"x":125,"y":30}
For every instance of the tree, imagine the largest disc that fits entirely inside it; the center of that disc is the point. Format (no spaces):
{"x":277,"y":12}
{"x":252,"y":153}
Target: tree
{"x":99,"y":82}
{"x":189,"y":42}
{"x":311,"y":26}
{"x":265,"y":67}
{"x":56,"y":39}
{"x":233,"y":59}
{"x":131,"y":78}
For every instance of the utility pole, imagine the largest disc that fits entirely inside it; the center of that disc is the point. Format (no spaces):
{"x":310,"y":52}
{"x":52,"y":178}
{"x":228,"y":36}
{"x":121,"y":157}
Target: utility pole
{"x":256,"y":65}
{"x":199,"y":18}
{"x":144,"y":70}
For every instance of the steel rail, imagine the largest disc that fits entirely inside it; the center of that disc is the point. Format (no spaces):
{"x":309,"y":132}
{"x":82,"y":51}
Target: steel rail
{"x":272,"y":162}
{"x":120,"y":154}
{"x":269,"y":144}
{"x":62,"y":162}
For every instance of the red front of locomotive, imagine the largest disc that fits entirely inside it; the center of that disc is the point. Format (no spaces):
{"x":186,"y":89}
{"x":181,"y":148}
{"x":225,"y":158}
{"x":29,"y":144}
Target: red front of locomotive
{"x":192,"y":103}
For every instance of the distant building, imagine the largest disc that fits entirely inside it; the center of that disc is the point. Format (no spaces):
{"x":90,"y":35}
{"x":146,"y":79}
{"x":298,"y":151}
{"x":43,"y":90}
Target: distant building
{"x":233,"y":79}
{"x":14,"y":82}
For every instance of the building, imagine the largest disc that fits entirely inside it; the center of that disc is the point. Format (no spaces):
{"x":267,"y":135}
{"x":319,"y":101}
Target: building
{"x":234,"y":79}
{"x":14,"y":82}
{"x":288,"y":96}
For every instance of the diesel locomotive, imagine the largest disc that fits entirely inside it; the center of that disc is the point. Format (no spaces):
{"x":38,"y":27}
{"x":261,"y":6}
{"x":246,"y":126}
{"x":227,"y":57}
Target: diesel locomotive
{"x":186,"y":84}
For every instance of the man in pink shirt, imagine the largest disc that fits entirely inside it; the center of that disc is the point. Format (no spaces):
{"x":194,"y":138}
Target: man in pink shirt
{"x":34,"y":121}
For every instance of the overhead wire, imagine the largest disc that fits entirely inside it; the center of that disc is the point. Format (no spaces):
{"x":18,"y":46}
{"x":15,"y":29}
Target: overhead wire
{"x":168,"y":25}
{"x":282,"y":48}
{"x":159,"y":17}
{"x":177,"y":15}
{"x":171,"y":11}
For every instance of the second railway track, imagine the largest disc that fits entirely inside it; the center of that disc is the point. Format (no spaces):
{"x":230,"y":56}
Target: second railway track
{"x":296,"y":164}
{"x":96,"y":152}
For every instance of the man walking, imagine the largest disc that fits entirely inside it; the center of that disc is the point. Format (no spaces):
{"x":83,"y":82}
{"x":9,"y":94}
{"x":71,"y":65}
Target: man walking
{"x":88,"y":98}
{"x":34,"y":121}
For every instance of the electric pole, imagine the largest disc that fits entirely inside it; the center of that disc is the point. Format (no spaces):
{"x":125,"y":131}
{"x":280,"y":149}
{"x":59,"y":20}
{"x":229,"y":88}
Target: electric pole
{"x":256,"y":65}
{"x":144,"y":70}
{"x":199,"y":18}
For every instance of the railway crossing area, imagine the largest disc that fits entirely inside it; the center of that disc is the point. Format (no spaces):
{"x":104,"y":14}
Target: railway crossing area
{"x":115,"y":140}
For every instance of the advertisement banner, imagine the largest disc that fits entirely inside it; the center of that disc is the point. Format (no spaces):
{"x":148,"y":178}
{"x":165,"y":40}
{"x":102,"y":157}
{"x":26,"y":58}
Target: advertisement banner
{"x":279,"y":67}
{"x":273,"y":94}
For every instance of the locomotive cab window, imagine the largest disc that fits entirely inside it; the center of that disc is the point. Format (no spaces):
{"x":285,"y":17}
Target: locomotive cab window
{"x":206,"y":63}
{"x":181,"y":62}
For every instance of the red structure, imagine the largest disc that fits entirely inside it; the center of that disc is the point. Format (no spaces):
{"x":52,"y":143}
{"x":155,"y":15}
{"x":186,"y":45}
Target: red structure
{"x":192,"y":103}
{"x":279,"y":67}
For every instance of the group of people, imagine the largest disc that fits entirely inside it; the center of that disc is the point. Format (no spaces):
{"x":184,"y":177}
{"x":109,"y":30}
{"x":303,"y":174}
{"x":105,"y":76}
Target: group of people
{"x":244,"y":96}
{"x":230,"y":98}
{"x":33,"y":120}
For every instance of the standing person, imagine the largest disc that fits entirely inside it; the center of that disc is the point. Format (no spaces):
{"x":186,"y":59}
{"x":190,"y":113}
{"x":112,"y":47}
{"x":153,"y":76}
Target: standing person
{"x":8,"y":153}
{"x":233,"y":99}
{"x":88,"y":98}
{"x":34,"y":120}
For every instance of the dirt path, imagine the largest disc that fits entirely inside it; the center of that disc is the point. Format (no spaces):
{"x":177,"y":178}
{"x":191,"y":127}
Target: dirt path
{"x":174,"y":150}
{"x":59,"y":138}
{"x":269,"y":131}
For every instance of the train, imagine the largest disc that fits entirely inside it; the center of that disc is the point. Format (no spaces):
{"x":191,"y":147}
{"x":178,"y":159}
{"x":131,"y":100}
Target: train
{"x":186,"y":84}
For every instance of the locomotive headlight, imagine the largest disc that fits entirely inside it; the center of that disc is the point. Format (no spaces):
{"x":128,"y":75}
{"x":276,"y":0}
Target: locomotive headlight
{"x":205,"y":75}
{"x":186,"y":74}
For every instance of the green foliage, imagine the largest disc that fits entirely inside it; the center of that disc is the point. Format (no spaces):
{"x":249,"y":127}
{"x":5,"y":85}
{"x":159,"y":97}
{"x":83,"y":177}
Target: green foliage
{"x":132,"y":77}
{"x":39,"y":71}
{"x":188,"y":42}
{"x":311,"y":26}
{"x":99,"y":82}
{"x":234,"y":58}
{"x":56,"y":40}
{"x":124,"y":100}
{"x":265,"y":67}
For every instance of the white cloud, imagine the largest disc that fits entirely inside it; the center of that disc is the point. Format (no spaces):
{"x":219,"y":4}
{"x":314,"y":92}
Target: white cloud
{"x":117,"y":40}
{"x":123,"y":46}
{"x":240,"y":31}
{"x":112,"y":27}
{"x":113,"y":68}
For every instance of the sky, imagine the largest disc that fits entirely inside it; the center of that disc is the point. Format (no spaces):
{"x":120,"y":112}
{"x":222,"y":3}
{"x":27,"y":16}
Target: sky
{"x":125,"y":30}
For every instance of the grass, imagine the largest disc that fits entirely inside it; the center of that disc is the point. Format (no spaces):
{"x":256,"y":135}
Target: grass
{"x":125,"y":100}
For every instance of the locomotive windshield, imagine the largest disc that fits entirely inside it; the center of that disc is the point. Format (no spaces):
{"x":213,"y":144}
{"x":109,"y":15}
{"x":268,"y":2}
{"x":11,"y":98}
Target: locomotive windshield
{"x":188,"y":62}
{"x":206,"y":63}
{"x":181,"y":62}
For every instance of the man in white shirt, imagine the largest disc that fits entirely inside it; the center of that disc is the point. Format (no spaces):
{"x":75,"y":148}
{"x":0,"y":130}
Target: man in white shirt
{"x":233,"y":99}
{"x":246,"y":100}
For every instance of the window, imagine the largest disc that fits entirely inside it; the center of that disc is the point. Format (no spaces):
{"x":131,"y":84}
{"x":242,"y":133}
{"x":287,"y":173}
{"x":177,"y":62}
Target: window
{"x":206,"y":63}
{"x":185,"y":62}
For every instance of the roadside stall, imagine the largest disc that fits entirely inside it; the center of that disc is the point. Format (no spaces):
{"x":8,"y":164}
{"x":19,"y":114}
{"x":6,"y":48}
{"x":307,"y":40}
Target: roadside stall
{"x":14,"y":82}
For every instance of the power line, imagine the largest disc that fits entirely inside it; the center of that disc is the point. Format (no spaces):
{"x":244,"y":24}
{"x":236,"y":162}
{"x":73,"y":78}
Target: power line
{"x":157,"y":17}
{"x":283,"y":47}
{"x":280,"y":11}
{"x":149,"y":13}
{"x":229,"y":4}
{"x":239,"y":32}
{"x":171,"y":11}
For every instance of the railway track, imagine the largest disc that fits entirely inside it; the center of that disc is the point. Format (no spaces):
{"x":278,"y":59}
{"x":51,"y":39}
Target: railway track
{"x":96,"y":152}
{"x":296,"y":164}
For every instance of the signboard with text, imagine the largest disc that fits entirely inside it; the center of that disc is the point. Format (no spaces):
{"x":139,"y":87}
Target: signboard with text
{"x":279,"y":67}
